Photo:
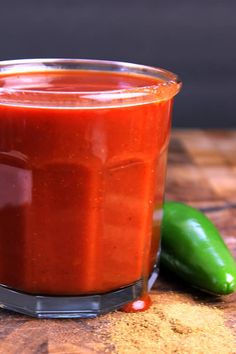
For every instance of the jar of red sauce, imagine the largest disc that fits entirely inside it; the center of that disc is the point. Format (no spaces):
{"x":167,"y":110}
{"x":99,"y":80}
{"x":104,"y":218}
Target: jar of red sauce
{"x":83,"y":149}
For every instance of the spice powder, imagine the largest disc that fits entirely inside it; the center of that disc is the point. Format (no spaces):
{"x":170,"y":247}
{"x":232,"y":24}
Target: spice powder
{"x":169,"y":326}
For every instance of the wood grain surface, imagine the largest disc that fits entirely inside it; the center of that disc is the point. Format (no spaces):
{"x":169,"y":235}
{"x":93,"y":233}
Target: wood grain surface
{"x":202,"y":173}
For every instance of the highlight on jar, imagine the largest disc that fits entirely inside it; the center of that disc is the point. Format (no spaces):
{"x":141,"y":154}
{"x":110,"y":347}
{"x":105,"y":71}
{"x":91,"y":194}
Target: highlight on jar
{"x":83,"y":152}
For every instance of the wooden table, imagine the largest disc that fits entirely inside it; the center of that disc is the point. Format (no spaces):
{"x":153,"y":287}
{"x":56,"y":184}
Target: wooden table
{"x":201,"y":172}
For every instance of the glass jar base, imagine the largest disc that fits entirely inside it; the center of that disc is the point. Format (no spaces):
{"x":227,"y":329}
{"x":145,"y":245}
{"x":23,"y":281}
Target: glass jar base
{"x":84,"y":306}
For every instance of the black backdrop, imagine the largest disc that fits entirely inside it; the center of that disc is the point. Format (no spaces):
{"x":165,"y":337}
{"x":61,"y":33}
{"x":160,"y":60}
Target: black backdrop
{"x":196,"y":39}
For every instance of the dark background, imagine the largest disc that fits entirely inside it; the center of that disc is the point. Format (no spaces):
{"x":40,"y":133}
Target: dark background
{"x":196,"y":39}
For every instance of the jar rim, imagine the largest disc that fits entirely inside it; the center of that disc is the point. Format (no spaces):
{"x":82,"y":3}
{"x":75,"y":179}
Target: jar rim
{"x":167,"y":86}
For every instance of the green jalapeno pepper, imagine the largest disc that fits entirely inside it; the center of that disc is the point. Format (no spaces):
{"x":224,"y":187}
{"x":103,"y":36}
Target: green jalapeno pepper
{"x":193,"y":249}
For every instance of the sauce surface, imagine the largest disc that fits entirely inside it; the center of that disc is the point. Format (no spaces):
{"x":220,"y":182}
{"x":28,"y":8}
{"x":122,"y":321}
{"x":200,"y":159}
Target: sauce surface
{"x":78,"y":186}
{"x":74,"y":81}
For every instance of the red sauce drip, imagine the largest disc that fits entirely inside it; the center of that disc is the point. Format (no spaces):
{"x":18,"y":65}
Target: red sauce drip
{"x":142,"y":304}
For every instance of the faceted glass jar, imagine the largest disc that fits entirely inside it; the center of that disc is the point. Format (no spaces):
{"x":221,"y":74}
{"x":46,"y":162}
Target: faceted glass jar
{"x":83,"y":149}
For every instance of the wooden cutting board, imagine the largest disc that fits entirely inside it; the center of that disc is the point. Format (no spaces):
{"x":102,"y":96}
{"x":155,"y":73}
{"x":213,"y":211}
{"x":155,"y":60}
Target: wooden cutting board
{"x":202,"y":173}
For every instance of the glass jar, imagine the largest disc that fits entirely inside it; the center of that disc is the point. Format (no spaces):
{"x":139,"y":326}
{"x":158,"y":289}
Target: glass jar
{"x":83,"y":149}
